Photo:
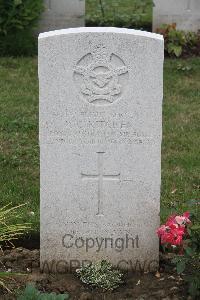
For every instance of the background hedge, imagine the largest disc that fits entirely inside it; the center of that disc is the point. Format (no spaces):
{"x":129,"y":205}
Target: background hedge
{"x":18,"y":20}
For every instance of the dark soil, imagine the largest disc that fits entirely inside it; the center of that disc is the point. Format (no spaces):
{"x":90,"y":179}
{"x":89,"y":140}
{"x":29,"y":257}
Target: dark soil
{"x":165,"y":284}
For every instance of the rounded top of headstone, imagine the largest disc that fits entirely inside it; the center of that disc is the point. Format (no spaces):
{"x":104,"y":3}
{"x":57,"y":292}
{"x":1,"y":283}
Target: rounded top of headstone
{"x":100,"y":30}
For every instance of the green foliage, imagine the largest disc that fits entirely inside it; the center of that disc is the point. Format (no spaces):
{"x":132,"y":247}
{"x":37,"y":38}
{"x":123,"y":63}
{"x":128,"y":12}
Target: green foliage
{"x":9,"y":232}
{"x":18,"y":19}
{"x":119,"y":13}
{"x":100,"y":275}
{"x":19,"y":14}
{"x":184,"y":67}
{"x":3,"y":279}
{"x":31,"y":293}
{"x":19,"y":43}
{"x":178,"y":42}
{"x":190,"y":261}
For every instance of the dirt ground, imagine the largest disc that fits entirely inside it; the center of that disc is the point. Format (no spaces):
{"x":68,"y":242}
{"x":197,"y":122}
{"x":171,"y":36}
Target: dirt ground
{"x":165,"y":284}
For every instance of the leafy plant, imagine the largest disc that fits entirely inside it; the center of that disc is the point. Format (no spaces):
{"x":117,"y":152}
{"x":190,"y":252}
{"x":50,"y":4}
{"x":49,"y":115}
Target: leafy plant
{"x":9,"y":232}
{"x":31,"y":293}
{"x":189,"y":262}
{"x":18,"y":19}
{"x":178,"y":42}
{"x":184,"y":67}
{"x":100,"y":275}
{"x":183,"y":234}
{"x":19,"y":14}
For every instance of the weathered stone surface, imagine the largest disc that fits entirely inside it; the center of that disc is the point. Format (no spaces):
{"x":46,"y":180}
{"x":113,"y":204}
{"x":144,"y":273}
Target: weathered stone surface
{"x":60,"y":14}
{"x":100,"y":142}
{"x":185,"y":13}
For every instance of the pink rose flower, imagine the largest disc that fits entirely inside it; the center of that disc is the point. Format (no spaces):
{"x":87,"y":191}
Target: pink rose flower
{"x":174,"y":230}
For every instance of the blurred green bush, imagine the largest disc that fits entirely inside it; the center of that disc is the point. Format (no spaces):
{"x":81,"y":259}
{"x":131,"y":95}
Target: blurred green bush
{"x":18,"y":19}
{"x":120,"y":13}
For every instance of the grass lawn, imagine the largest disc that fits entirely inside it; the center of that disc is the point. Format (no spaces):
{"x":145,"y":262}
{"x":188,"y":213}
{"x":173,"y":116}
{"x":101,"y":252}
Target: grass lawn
{"x":19,"y":151}
{"x":128,"y":13}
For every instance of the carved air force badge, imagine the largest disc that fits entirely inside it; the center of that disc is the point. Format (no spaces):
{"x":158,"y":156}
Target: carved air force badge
{"x":100,"y":76}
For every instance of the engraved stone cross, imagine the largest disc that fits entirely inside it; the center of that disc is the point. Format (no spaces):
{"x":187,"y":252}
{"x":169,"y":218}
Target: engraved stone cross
{"x":49,"y":4}
{"x":100,"y":177}
{"x":188,"y":5}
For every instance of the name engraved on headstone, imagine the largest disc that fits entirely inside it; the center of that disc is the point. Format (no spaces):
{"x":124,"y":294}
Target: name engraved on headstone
{"x":95,"y":127}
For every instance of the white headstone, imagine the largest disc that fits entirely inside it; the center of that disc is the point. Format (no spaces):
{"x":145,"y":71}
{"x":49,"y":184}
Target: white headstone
{"x":100,"y":141}
{"x":60,"y":14}
{"x":185,"y":13}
